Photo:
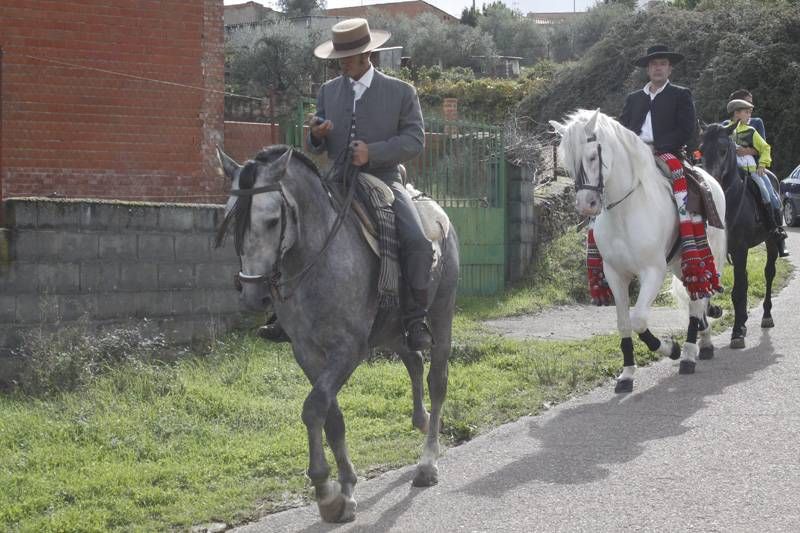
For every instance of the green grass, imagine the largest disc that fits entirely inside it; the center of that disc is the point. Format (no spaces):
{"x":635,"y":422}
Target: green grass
{"x":145,"y":446}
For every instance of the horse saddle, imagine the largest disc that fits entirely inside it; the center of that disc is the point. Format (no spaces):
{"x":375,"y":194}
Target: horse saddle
{"x":435,"y":222}
{"x":699,"y":199}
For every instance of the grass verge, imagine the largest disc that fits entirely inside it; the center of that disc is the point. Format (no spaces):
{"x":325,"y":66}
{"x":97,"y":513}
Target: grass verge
{"x":147,"y":446}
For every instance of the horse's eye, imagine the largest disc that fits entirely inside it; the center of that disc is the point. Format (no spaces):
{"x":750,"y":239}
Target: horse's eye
{"x":272,"y":223}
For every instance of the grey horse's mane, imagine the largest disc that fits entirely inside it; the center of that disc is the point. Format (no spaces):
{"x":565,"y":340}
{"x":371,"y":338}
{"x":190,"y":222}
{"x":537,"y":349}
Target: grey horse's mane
{"x":271,"y":153}
{"x":240,"y":212}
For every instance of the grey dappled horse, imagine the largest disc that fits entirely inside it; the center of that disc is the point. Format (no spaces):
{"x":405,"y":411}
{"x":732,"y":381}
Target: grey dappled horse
{"x":324,"y":291}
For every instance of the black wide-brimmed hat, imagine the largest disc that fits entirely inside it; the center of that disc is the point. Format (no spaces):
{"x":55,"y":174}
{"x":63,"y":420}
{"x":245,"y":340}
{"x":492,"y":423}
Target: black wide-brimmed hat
{"x":658,"y":51}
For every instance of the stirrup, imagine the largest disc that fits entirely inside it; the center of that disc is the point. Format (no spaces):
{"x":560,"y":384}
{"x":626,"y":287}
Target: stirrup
{"x":273,"y":332}
{"x":419,"y":336}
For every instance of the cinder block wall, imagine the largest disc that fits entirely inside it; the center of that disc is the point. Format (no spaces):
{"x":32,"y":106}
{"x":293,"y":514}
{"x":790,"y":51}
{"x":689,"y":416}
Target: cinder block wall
{"x":115,"y":263}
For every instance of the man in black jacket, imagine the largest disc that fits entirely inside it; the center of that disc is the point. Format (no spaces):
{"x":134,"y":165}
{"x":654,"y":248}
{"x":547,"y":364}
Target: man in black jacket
{"x":661,"y":113}
{"x":663,"y":116}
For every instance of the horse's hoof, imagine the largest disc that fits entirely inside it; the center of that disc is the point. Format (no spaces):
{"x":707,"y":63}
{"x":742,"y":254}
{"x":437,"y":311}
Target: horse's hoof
{"x":427,"y":476}
{"x":737,"y":343}
{"x":623,"y":386}
{"x":675,"y":353}
{"x":767,"y":322}
{"x":714,"y":311}
{"x":334,"y":506}
{"x":706,"y":353}
{"x":686,"y":367}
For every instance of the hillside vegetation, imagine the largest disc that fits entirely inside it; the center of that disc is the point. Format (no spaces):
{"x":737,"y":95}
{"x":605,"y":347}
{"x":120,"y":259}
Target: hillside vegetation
{"x":728,"y":45}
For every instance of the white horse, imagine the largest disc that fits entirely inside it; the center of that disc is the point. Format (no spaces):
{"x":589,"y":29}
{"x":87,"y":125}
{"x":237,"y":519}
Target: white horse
{"x":636,"y":227}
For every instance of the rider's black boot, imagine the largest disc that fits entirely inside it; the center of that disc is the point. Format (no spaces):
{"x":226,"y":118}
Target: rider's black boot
{"x":777,"y":230}
{"x":272,"y":331}
{"x":780,"y":239}
{"x":418,"y":334}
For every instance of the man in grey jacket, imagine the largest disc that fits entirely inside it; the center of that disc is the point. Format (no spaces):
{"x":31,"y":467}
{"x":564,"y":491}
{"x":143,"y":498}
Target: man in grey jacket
{"x":380,"y":119}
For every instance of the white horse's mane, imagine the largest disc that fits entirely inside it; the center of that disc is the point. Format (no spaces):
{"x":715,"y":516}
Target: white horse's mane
{"x":613,"y":136}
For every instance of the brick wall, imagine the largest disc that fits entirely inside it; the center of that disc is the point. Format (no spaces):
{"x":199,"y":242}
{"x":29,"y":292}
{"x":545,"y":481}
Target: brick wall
{"x":78,"y":130}
{"x":243,"y":140}
{"x":115,"y":263}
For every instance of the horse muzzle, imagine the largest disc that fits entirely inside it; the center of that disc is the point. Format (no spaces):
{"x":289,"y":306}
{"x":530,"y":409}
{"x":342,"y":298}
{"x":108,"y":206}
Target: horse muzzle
{"x":254,"y":291}
{"x":588,"y":203}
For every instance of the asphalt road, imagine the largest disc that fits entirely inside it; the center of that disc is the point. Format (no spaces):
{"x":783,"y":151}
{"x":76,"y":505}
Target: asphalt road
{"x":715,"y":451}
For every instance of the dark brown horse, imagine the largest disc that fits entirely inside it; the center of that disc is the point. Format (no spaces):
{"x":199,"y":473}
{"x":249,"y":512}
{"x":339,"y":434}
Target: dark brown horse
{"x":745,"y":230}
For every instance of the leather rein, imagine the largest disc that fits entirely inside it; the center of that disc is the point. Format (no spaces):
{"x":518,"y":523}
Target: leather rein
{"x":274,"y":279}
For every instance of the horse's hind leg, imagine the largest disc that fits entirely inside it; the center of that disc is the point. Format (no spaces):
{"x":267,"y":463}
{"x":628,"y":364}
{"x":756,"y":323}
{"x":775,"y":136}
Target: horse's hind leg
{"x":704,"y":341}
{"x":691,"y":350}
{"x":441,"y":317}
{"x":415,"y":367}
{"x":769,"y":276}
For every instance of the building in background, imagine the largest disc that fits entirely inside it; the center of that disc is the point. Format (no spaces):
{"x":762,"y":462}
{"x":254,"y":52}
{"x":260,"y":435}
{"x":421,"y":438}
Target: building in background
{"x":410,"y":9}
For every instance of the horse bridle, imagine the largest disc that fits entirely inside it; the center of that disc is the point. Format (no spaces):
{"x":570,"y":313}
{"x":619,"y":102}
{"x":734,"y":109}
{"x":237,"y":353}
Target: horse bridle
{"x":274,"y":279}
{"x":263,"y":278}
{"x":581,"y":184}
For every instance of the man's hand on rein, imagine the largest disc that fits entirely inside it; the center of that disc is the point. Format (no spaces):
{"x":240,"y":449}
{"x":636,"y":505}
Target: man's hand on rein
{"x":360,"y":153}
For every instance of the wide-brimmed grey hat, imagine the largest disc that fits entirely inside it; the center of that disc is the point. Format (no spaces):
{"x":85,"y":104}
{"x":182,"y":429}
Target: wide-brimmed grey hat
{"x":735,"y":105}
{"x":656,"y":52}
{"x":351,"y":37}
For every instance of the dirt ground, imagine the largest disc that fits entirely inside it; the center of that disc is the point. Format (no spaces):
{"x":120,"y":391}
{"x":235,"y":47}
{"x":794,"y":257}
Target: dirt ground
{"x":577,"y":322}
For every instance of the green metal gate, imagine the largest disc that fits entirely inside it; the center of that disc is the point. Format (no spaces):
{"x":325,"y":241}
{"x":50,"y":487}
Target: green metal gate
{"x":463,"y":168}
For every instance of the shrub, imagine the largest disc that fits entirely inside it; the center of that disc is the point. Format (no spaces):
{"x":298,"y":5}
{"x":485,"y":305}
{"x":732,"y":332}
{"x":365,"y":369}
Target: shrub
{"x":69,"y":357}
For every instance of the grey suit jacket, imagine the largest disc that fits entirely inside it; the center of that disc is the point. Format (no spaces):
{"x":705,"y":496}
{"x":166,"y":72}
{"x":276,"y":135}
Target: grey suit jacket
{"x":388,"y":119}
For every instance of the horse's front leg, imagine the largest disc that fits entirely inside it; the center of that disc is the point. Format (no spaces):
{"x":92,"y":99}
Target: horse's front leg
{"x":739,"y":296}
{"x":769,"y":276}
{"x":651,"y":281}
{"x":619,"y":287}
{"x":335,"y":434}
{"x":320,"y":409}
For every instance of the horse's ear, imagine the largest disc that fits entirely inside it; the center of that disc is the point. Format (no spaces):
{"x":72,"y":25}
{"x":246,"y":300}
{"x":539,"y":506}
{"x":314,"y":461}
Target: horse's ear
{"x":558,"y":127}
{"x":591,"y":126}
{"x":229,"y":166}
{"x":282,"y":163}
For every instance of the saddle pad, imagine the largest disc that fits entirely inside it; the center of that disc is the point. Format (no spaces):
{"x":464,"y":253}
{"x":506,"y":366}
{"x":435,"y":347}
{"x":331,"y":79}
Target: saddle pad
{"x":699,"y":199}
{"x":435,"y":221}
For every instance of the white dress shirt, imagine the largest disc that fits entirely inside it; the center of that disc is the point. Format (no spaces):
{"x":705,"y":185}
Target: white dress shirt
{"x":362,"y":84}
{"x":647,"y":127}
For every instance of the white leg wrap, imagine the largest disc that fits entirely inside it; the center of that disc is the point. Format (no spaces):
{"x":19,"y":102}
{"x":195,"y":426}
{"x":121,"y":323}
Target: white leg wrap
{"x":704,"y":338}
{"x":690,"y":352}
{"x":627,"y":373}
{"x":666,"y":347}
